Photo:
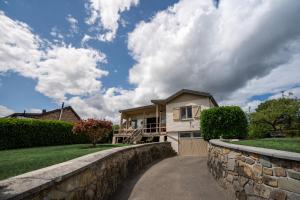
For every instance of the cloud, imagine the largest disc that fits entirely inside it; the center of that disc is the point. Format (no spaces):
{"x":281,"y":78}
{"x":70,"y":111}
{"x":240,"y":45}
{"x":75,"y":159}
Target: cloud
{"x":193,"y":45}
{"x":69,"y":70}
{"x":73,"y":24}
{"x":59,"y":69}
{"x":107,"y":14}
{"x":4,"y":111}
{"x":19,"y":48}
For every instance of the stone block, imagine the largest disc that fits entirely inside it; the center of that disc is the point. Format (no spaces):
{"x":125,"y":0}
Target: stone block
{"x":293,"y":174}
{"x":270,"y":181}
{"x":265,"y":161}
{"x":278,"y":195}
{"x":229,"y":178}
{"x":230,"y":164}
{"x":257,"y":170}
{"x":249,"y":187}
{"x":254,"y":156}
{"x":279,"y":172}
{"x":247,"y":171}
{"x":293,"y":196}
{"x":242,"y":180}
{"x":249,"y":161}
{"x":289,"y":184}
{"x":267,"y":171}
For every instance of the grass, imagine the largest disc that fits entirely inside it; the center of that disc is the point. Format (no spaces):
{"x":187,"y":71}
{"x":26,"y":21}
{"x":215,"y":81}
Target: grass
{"x":18,"y":161}
{"x":284,"y":144}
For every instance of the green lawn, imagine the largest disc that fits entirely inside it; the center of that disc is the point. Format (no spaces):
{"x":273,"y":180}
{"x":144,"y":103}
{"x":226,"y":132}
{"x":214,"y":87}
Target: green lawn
{"x":18,"y":161}
{"x":284,"y":144}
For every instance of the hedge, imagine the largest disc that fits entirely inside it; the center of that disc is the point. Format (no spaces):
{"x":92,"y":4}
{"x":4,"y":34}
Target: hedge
{"x":227,"y":122}
{"x":21,"y":133}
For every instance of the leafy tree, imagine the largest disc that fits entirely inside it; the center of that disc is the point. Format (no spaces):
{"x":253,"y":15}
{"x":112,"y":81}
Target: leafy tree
{"x":94,"y":129}
{"x":273,"y":117}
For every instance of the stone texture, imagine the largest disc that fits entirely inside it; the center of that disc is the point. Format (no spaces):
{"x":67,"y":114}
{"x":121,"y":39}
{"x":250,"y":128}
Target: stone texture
{"x":268,"y":171}
{"x":265,"y":161}
{"x":257,"y":169}
{"x":230,"y":164}
{"x":269,"y":180}
{"x":278,"y":195}
{"x":293,"y":174}
{"x":249,"y":161}
{"x":257,"y":176}
{"x":279,"y":172}
{"x":289,"y":184}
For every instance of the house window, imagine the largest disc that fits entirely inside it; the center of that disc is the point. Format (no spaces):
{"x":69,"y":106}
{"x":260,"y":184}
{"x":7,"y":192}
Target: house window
{"x":186,"y":112}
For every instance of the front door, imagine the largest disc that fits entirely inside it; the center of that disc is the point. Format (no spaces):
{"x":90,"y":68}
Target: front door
{"x":191,"y":144}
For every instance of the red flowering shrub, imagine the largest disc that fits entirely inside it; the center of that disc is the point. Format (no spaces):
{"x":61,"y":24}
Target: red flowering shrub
{"x":94,"y":129}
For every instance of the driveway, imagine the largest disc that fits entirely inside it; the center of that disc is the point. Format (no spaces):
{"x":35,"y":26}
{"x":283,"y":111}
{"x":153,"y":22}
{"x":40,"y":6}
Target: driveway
{"x":182,"y":178}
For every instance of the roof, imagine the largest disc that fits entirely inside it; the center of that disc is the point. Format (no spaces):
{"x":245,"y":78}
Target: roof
{"x":186,"y":91}
{"x":33,"y":115}
{"x":138,"y":108}
{"x":170,"y":98}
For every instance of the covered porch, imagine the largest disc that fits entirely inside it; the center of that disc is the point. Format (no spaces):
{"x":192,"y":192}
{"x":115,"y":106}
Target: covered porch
{"x":149,"y":122}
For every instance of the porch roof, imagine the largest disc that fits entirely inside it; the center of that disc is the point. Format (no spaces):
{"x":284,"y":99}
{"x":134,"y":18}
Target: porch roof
{"x":147,"y":107}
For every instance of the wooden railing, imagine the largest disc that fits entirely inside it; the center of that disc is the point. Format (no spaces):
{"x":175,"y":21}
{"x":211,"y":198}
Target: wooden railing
{"x":148,"y":129}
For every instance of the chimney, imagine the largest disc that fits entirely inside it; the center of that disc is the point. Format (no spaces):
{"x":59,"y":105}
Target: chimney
{"x":44,"y":111}
{"x":61,"y":110}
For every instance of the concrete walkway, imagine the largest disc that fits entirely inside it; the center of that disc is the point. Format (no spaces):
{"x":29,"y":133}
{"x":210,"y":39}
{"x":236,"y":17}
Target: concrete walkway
{"x":176,"y":178}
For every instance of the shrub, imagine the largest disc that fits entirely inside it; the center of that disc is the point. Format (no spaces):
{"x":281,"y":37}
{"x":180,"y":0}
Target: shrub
{"x":94,"y":129}
{"x":227,"y":122}
{"x":22,"y":133}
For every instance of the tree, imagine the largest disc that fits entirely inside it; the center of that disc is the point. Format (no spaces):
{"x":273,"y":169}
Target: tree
{"x":94,"y":129}
{"x":273,"y":117}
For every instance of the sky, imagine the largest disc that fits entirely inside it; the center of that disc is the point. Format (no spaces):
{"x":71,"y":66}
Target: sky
{"x":100,"y":56}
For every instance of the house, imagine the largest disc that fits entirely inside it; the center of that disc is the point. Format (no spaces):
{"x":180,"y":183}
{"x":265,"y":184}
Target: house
{"x":67,"y":114}
{"x":175,"y":119}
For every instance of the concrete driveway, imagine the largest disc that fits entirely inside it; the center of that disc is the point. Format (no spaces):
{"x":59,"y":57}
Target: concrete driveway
{"x":182,"y":178}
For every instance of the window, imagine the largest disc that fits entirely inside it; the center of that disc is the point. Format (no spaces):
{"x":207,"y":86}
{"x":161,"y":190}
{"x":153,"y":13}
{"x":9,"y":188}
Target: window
{"x":186,"y":112}
{"x":185,"y":134}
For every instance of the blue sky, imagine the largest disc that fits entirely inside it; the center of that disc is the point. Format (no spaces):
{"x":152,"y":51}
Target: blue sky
{"x":100,"y":56}
{"x":19,"y":92}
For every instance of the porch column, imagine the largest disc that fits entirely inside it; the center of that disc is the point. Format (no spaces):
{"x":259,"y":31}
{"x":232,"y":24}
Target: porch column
{"x":157,"y":122}
{"x":144,"y":121}
{"x":121,"y":121}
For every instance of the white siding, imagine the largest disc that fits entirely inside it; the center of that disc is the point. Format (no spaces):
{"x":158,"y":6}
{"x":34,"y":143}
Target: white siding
{"x":185,"y":100}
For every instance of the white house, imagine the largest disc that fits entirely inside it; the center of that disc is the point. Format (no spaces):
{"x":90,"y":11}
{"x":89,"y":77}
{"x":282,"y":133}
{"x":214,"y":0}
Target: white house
{"x":175,"y":119}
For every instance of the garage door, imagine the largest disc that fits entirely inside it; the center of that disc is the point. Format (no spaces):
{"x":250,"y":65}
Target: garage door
{"x":191,"y":145}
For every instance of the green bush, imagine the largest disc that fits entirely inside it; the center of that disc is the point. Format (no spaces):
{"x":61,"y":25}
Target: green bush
{"x":21,"y":133}
{"x":228,"y":122}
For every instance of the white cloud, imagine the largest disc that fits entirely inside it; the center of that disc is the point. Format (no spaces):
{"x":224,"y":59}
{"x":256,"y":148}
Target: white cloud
{"x":4,"y":111}
{"x":107,"y":15}
{"x":193,"y":45}
{"x":60,"y":70}
{"x":69,"y":70}
{"x":73,"y":24}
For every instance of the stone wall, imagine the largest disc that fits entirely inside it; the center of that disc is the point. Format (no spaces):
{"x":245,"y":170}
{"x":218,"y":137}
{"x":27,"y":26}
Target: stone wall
{"x":255,"y":173}
{"x":94,"y":176}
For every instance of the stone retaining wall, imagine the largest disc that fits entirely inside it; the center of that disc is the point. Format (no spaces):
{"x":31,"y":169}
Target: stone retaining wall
{"x":94,"y":176}
{"x":255,"y":173}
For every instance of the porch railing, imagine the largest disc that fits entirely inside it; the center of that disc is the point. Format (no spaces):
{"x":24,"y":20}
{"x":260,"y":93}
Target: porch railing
{"x":148,"y":128}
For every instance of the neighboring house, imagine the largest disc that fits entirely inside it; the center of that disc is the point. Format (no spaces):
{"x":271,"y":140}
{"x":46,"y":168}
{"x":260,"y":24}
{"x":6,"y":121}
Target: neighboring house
{"x":67,"y":114}
{"x":175,"y":119}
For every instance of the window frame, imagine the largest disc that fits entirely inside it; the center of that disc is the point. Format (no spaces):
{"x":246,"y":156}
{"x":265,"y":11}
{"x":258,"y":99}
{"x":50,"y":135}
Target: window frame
{"x":187,"y":118}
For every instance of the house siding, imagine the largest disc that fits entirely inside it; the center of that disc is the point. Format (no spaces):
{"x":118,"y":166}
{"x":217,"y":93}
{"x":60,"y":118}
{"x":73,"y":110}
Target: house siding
{"x":185,"y":100}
